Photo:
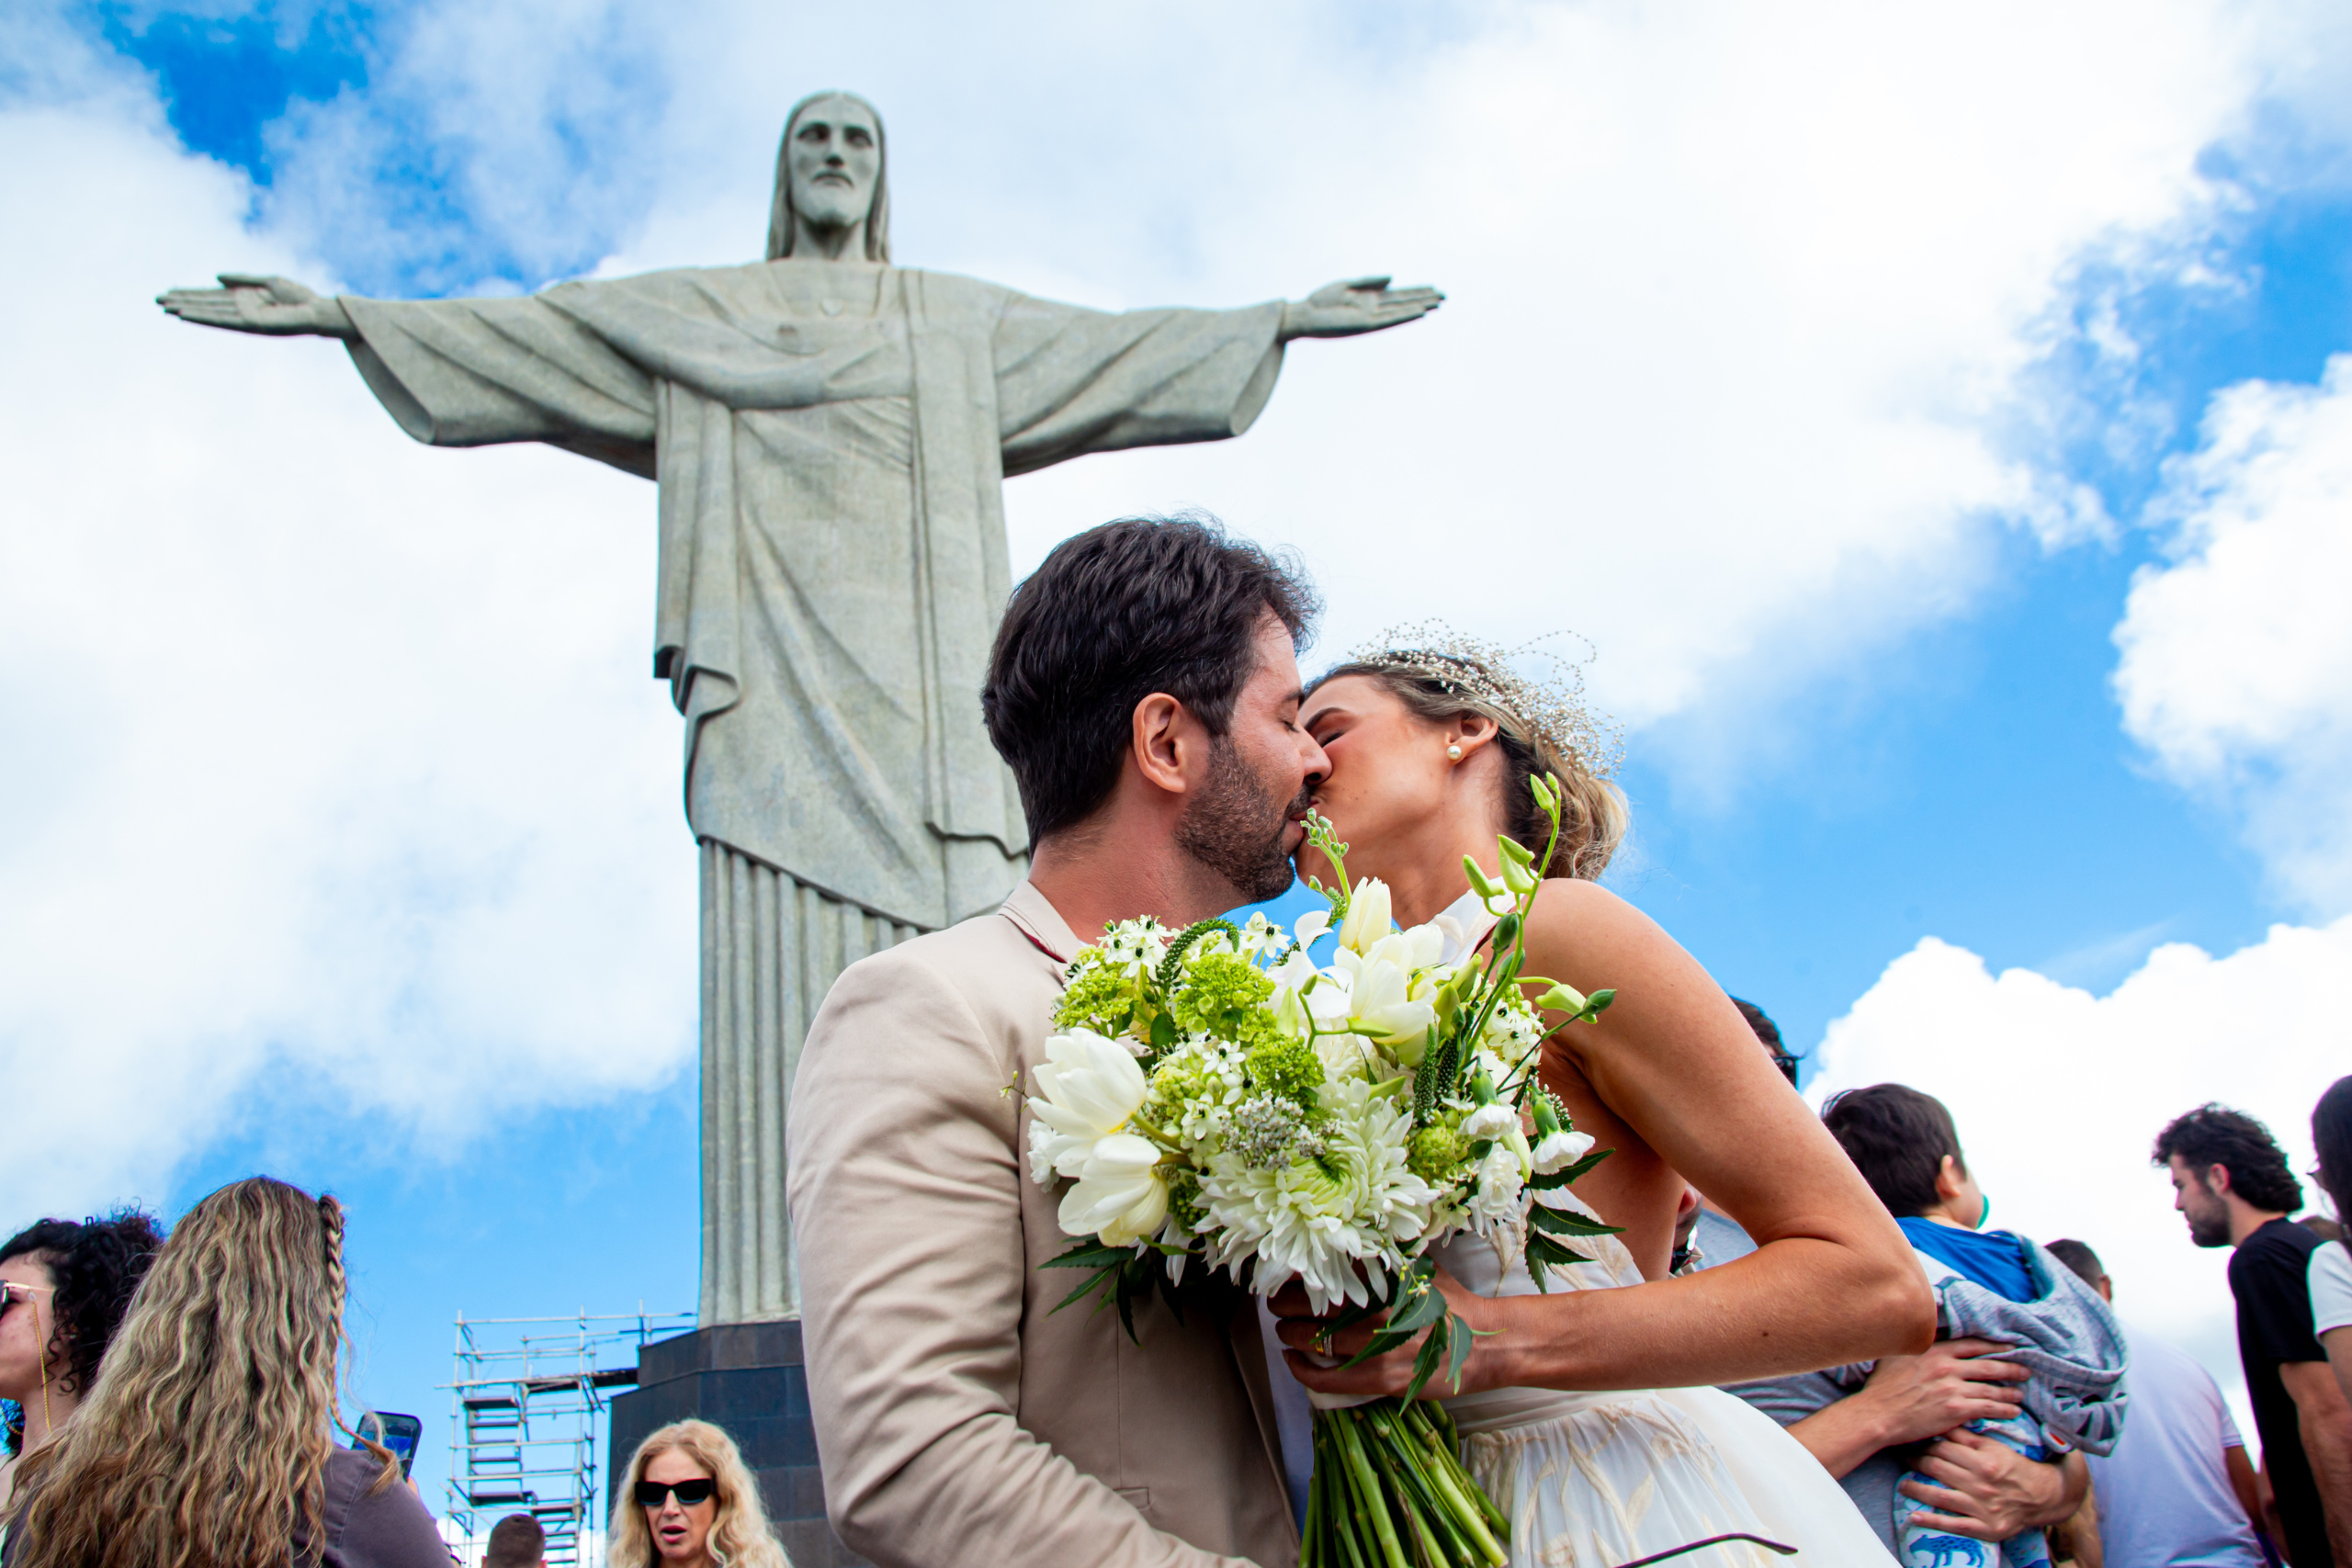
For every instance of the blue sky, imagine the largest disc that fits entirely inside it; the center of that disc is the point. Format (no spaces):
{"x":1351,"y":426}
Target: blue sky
{"x":1889,"y":742}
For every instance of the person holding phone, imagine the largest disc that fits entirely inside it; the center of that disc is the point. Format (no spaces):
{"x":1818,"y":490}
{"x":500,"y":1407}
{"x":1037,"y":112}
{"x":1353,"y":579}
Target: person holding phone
{"x":211,"y":1437}
{"x":690,"y":1502}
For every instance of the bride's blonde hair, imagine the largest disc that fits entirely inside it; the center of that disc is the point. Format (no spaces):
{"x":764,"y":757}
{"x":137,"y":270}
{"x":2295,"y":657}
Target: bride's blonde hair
{"x":204,"y":1442}
{"x":1539,"y":729}
{"x":739,"y":1534}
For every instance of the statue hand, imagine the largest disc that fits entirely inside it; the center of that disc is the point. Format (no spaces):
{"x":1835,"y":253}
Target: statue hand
{"x":1359,"y":305}
{"x":248,"y":302}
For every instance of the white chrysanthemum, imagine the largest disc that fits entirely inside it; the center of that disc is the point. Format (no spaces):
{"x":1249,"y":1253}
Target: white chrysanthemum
{"x":1319,"y":1219}
{"x":1351,"y":1058}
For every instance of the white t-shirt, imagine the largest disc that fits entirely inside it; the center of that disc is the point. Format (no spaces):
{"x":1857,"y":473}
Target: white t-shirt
{"x":2329,"y":1276}
{"x":2164,"y":1494}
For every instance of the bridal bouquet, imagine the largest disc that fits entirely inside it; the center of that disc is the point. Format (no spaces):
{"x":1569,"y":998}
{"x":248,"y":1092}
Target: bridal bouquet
{"x":1212,"y":1094}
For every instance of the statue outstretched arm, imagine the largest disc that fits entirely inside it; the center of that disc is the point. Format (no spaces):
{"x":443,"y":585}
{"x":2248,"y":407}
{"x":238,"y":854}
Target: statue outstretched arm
{"x":1358,"y":305}
{"x":460,"y":372}
{"x":1071,"y":381}
{"x":250,"y":302}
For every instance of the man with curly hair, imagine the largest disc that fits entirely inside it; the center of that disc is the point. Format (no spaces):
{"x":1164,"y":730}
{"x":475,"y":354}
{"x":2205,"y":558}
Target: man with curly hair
{"x":2232,"y":1184}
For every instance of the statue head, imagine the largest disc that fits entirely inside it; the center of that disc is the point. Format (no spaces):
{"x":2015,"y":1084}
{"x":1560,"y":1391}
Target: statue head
{"x":831,"y":173}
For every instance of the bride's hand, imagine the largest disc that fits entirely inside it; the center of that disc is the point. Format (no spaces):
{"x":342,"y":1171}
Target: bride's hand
{"x":1303,"y":1330}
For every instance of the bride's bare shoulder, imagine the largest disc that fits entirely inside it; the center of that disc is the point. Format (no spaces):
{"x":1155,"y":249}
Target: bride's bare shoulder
{"x":1582,"y":927}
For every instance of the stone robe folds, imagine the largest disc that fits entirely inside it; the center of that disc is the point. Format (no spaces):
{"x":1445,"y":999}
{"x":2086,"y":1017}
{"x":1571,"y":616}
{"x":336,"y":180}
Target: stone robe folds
{"x":829,"y":440}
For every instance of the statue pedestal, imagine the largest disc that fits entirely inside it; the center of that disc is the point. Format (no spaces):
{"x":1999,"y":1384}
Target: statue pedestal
{"x":746,"y":1378}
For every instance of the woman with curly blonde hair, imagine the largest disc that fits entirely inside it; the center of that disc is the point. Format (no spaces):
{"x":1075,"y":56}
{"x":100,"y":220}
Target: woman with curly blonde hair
{"x":690,"y":1503}
{"x":207,"y":1441}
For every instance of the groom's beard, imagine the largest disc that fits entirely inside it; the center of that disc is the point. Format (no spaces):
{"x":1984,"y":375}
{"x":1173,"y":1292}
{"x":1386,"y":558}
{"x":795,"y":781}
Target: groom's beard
{"x":1236,"y":828}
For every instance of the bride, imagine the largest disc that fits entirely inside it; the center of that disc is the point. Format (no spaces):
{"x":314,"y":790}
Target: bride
{"x":1587,"y":1412}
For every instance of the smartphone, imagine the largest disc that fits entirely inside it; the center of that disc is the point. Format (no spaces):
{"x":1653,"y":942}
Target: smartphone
{"x":395,"y":1431}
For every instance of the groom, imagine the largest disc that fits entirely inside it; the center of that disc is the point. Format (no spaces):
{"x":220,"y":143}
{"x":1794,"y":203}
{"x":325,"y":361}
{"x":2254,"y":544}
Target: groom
{"x":1144,"y":689}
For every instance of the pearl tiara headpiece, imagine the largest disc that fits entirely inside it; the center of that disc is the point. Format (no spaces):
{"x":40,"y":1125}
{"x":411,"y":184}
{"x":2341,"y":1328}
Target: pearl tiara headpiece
{"x":1551,"y":704}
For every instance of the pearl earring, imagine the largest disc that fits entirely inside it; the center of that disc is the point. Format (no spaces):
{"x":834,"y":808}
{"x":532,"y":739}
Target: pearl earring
{"x":1454,"y":752}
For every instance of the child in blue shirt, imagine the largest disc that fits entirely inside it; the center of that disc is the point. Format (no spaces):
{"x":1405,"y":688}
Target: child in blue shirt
{"x":1993,"y":1284}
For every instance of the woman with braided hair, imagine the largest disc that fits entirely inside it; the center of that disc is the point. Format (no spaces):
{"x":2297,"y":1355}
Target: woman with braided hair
{"x":1584,"y":1404}
{"x":63,"y":1288}
{"x":208,"y":1441}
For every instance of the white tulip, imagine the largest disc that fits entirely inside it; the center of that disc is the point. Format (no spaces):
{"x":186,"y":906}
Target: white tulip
{"x":1367,"y":919}
{"x":1119,"y":1197}
{"x":1381,"y":1004}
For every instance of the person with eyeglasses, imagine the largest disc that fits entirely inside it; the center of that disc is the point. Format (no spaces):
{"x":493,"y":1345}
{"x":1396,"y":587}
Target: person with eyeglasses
{"x":63,"y":1288}
{"x":691,"y":1502}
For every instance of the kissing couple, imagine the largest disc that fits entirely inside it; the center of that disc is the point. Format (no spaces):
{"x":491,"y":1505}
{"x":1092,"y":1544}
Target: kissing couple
{"x":1145,"y":691}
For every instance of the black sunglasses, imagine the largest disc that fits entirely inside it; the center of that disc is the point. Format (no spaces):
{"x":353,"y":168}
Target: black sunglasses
{"x":654,"y":1494}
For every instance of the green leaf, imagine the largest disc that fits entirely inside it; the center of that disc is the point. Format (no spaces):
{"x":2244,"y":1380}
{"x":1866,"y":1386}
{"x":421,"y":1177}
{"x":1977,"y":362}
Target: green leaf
{"x":1543,"y":1252}
{"x":1414,"y":1305}
{"x":1094,"y":1282}
{"x":1425,"y":1365}
{"x":1566,"y":1174}
{"x":1088,"y":1254}
{"x":1560,"y":1222}
{"x":1128,"y":1311}
{"x":1457,"y":1356}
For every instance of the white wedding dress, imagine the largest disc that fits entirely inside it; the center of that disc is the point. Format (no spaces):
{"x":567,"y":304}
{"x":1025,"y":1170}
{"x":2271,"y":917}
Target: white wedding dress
{"x":1613,"y":1479}
{"x":1605,"y":1479}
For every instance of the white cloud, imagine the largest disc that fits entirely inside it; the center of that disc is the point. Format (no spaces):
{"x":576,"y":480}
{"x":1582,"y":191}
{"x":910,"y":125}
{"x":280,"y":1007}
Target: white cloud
{"x":2059,"y":1094}
{"x":335,"y":763}
{"x":2236,"y":668}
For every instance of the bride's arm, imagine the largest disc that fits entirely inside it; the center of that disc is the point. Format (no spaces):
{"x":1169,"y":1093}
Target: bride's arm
{"x":1832,"y":1280}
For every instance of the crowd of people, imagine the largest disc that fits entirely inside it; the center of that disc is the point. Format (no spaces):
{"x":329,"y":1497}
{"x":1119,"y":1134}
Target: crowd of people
{"x":1974,"y":1437}
{"x":174,"y":1405}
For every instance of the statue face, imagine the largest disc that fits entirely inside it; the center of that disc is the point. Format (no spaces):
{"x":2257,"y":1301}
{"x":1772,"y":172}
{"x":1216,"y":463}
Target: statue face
{"x":836,"y":156}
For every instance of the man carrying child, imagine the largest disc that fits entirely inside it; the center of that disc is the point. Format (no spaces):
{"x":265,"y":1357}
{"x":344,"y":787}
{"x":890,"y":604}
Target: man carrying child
{"x":1990,"y":1286}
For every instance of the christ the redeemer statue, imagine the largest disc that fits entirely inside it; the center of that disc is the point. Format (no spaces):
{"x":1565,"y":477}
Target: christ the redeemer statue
{"x":830,"y":435}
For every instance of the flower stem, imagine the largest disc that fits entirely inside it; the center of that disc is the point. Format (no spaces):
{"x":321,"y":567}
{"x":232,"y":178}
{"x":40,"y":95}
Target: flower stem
{"x":1368,"y":1486}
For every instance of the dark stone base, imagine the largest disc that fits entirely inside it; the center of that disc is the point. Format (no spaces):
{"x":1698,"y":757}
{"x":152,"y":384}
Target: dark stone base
{"x":747,"y":1378}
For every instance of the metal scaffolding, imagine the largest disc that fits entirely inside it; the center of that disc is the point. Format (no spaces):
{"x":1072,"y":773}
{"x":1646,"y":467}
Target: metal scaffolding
{"x":527,"y":1410}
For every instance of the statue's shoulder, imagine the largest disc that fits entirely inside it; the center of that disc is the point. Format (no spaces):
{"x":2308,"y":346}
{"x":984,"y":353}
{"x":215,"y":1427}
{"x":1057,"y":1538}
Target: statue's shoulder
{"x":668,"y":282}
{"x":953,"y":294}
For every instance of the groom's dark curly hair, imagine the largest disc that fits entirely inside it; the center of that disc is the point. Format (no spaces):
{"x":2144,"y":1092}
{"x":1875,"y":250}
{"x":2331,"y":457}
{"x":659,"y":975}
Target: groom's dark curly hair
{"x":1114,"y":614}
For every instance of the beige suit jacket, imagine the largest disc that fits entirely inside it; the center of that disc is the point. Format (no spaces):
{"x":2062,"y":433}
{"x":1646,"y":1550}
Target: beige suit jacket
{"x":959,"y":1418}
